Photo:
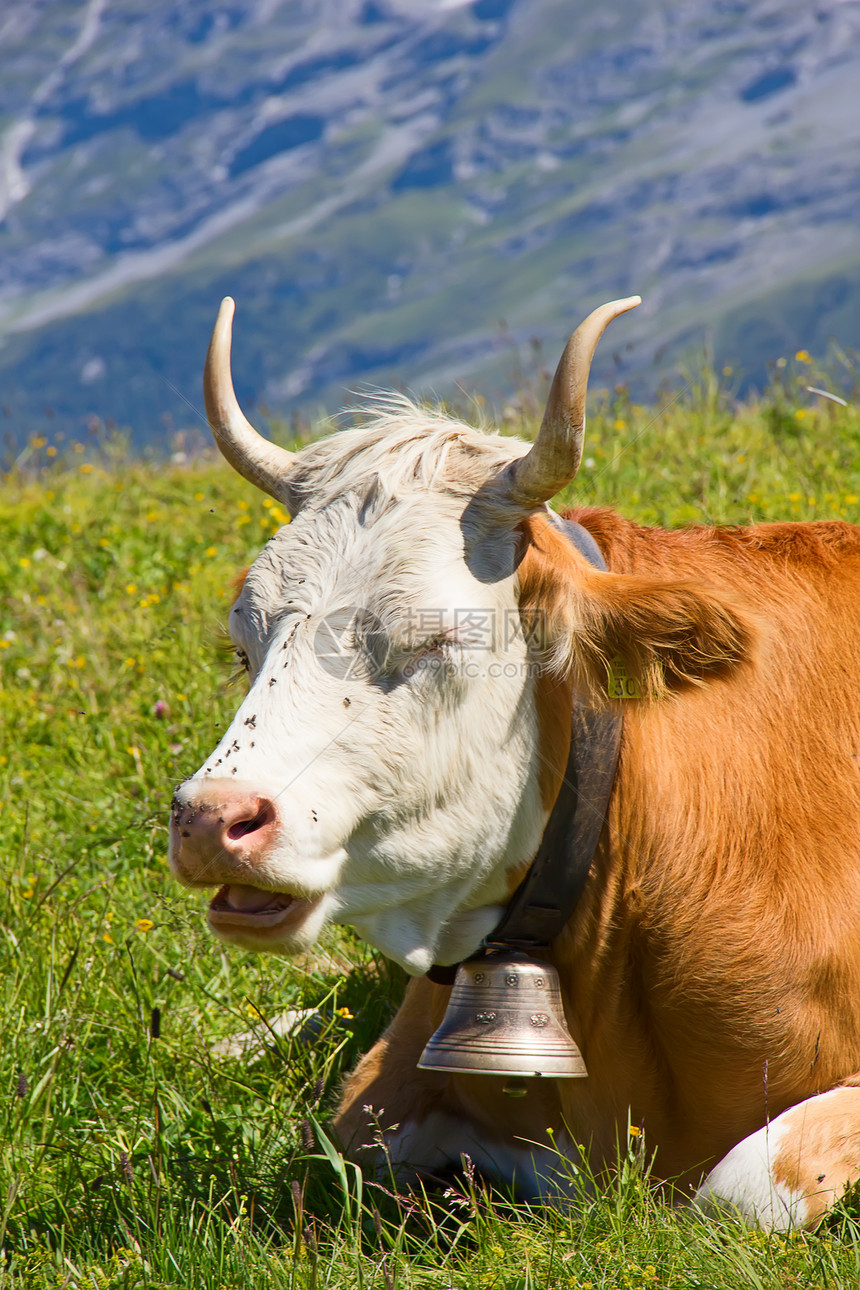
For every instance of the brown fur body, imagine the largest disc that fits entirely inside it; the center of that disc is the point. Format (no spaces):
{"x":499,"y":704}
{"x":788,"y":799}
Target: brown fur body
{"x":711,"y":971}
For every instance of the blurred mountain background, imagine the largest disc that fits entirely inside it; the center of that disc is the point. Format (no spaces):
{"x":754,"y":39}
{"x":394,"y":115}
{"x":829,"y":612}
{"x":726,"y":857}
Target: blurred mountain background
{"x":414,"y":192}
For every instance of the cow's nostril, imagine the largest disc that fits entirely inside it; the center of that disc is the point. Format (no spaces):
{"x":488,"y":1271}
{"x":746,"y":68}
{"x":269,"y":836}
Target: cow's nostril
{"x":244,"y":827}
{"x":241,"y":828}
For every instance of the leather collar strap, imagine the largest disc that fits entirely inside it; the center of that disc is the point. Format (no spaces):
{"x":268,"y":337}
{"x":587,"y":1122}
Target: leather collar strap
{"x":550,"y":891}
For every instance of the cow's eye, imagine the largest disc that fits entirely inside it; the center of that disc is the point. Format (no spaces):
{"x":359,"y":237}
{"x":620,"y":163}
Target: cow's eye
{"x":437,"y":646}
{"x":432,"y":658}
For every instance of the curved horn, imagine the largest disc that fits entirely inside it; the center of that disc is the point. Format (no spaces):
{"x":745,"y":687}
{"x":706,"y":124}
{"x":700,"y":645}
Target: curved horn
{"x":262,"y":463}
{"x":553,"y":460}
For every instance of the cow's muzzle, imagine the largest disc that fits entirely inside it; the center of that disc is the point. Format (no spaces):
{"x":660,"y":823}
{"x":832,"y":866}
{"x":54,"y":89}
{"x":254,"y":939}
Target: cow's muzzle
{"x":225,"y":834}
{"x":220,"y":833}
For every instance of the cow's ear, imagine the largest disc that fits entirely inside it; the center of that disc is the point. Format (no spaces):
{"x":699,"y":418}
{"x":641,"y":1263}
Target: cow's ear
{"x":660,"y":635}
{"x":663,"y":635}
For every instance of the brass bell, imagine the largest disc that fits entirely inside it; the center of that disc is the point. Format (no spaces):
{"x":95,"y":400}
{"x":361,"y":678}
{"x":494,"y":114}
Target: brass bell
{"x":505,"y":1017}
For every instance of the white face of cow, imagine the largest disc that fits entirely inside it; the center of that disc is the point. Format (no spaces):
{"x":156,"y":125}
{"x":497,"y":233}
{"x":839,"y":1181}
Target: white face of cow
{"x":386,"y":767}
{"x":382,"y":770}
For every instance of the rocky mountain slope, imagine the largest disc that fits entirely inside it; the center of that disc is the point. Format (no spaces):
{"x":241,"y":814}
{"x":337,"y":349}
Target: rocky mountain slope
{"x":409,"y":190}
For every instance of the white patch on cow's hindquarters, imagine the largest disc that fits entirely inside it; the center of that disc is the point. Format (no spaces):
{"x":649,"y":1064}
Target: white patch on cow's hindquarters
{"x":790,"y":1174}
{"x":441,"y":1141}
{"x":743,"y":1182}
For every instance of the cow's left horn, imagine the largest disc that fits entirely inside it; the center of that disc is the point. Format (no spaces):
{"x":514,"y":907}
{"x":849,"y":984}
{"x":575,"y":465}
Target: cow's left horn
{"x":554,"y":459}
{"x":261,"y":462}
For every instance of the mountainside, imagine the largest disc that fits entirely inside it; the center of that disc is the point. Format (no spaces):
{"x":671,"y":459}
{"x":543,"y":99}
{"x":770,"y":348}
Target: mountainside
{"x":408,"y":190}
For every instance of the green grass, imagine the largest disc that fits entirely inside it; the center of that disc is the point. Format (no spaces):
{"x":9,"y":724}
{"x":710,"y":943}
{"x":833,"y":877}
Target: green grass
{"x":133,"y":1153}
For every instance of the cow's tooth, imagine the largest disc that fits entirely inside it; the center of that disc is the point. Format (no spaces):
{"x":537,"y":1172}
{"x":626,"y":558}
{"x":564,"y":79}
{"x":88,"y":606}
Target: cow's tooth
{"x":248,"y":900}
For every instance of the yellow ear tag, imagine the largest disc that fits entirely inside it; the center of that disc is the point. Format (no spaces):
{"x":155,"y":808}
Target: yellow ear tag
{"x":621,"y":684}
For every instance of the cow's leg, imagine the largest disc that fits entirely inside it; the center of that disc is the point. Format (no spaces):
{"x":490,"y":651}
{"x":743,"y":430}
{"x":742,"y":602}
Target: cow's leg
{"x":415,"y":1123}
{"x":386,"y":1099}
{"x":789,"y":1173}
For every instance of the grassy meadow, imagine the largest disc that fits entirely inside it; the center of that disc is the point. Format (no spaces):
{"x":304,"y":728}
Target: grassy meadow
{"x":136,"y":1151}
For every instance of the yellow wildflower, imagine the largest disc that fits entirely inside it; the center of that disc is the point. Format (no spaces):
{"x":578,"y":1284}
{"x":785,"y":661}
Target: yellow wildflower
{"x":803,"y":356}
{"x":144,"y":924}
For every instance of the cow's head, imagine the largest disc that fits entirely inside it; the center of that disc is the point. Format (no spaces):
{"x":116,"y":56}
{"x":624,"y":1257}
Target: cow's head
{"x":411,"y":640}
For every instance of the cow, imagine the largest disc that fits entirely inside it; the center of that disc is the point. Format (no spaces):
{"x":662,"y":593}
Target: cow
{"x":401,"y":783}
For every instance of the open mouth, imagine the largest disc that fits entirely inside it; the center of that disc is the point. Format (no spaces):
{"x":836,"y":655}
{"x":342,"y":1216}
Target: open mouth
{"x":239,"y":906}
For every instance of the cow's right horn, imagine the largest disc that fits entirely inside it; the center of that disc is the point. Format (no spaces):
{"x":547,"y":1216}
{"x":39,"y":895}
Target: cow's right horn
{"x":262,"y":463}
{"x":554,"y":458}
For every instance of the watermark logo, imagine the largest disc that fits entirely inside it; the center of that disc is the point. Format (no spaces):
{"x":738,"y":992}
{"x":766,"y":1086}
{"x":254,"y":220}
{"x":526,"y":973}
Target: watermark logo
{"x":350,"y":641}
